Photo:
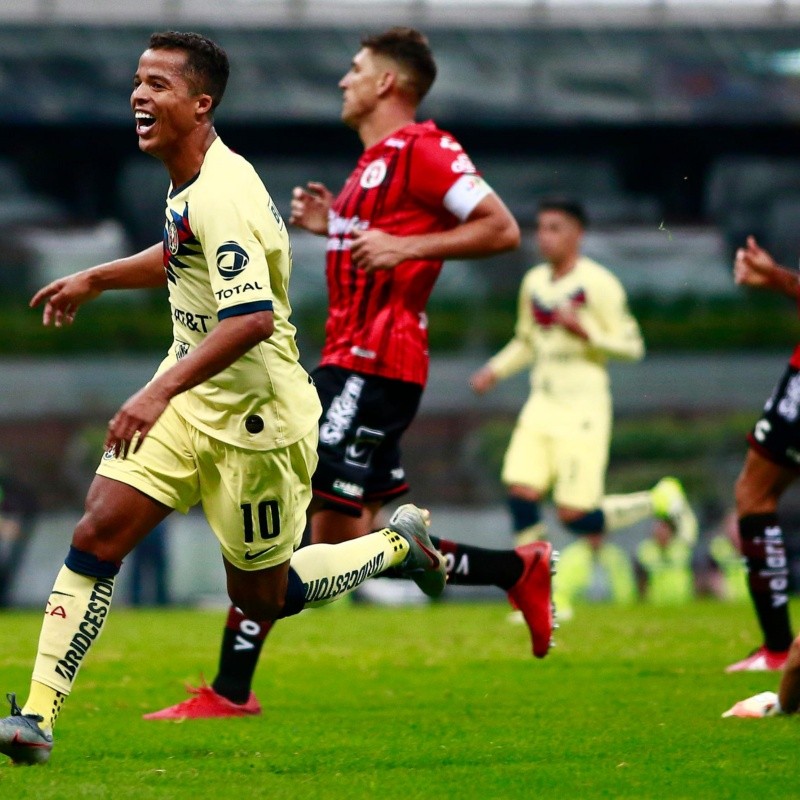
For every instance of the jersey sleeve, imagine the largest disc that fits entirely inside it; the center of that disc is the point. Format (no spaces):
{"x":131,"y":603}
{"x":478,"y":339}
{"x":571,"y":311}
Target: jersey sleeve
{"x":442,"y":175}
{"x":611,"y":328}
{"x":520,"y":352}
{"x":235,"y":241}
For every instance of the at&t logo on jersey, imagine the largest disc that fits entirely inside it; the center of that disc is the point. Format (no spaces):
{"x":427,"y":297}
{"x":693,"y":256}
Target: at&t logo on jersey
{"x":373,"y":174}
{"x":232,"y":258}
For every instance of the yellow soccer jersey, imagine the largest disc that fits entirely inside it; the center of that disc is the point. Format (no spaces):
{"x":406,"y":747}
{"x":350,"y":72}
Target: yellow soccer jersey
{"x":226,"y":253}
{"x":569,"y":374}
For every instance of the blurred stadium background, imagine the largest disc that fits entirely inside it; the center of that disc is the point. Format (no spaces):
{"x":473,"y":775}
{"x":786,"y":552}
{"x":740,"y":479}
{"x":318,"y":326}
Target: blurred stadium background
{"x":674,"y":121}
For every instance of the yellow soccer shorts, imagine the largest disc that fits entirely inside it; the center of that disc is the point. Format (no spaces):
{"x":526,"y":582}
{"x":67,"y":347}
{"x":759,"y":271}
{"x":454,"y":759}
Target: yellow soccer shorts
{"x":255,"y":501}
{"x":570,"y":465}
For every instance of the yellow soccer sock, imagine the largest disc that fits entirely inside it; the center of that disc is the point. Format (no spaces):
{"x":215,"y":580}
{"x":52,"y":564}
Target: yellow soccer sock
{"x":621,"y":510}
{"x":533,"y":533}
{"x":45,"y":702}
{"x":330,"y":571}
{"x":73,"y":619}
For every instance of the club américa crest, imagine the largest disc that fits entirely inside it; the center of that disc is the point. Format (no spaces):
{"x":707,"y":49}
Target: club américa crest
{"x":173,"y":242}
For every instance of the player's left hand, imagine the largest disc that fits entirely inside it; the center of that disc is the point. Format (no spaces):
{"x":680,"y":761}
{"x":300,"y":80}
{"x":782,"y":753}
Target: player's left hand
{"x":374,"y":249}
{"x":567,"y":317}
{"x":131,"y":424}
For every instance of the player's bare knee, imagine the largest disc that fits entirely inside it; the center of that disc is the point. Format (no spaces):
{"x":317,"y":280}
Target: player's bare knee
{"x":582,"y":523}
{"x":521,"y":492}
{"x":257,"y":605}
{"x":90,"y":536}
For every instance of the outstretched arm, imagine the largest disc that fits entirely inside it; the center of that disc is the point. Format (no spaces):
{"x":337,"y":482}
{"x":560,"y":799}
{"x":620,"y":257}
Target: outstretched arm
{"x":64,"y":296}
{"x":755,"y":267}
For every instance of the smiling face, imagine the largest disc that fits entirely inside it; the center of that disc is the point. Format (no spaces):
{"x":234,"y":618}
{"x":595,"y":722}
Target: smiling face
{"x":166,"y":106}
{"x":362,"y":86}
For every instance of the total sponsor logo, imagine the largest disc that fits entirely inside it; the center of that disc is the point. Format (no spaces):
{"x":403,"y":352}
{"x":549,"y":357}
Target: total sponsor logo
{"x":224,"y":294}
{"x":348,"y":489}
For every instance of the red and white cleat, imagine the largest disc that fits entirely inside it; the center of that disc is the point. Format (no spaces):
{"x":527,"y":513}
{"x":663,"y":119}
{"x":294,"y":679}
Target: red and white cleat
{"x":207,"y":704}
{"x":761,"y":660}
{"x":532,"y":593}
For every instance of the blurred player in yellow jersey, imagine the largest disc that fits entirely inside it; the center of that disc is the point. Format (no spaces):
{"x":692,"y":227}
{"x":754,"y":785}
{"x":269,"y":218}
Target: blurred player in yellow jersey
{"x":573,"y":317}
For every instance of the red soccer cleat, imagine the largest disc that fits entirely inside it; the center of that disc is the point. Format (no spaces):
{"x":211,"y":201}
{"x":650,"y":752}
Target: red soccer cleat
{"x":532,"y":593}
{"x":761,"y":660}
{"x":207,"y":704}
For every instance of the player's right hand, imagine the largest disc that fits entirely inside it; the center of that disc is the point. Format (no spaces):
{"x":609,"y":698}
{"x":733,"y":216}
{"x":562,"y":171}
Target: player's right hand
{"x":753,"y":265}
{"x":63,"y":297}
{"x":483,"y":380}
{"x":310,"y":207}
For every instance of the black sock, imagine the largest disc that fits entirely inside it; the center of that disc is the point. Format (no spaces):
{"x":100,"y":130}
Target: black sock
{"x":767,"y":577}
{"x":477,"y":566}
{"x":241,"y":646}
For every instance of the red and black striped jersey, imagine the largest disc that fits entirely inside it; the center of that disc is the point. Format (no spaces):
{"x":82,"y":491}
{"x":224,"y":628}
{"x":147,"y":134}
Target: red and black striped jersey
{"x":417,"y":180}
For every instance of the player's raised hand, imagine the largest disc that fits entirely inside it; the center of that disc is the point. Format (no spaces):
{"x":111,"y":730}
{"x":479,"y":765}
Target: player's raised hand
{"x":753,"y":265}
{"x":63,"y":297}
{"x":374,"y":249}
{"x":310,"y":206}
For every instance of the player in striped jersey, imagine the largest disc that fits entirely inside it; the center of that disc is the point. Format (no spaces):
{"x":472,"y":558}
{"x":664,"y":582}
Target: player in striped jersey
{"x":413,"y":200}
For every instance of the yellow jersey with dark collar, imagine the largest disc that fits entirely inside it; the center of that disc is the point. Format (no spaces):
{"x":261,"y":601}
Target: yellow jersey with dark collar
{"x":569,"y":374}
{"x":227,"y":253}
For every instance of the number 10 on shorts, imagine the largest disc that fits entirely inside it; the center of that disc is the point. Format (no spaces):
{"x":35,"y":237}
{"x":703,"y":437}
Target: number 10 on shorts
{"x":269,"y":521}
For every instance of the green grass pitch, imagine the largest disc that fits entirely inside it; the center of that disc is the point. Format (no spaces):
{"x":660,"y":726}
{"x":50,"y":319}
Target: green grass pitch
{"x":441,"y":701}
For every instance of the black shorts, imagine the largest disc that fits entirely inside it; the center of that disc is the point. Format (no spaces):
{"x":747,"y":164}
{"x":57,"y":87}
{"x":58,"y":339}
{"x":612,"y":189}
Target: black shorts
{"x":776,"y":435}
{"x":363,"y":418}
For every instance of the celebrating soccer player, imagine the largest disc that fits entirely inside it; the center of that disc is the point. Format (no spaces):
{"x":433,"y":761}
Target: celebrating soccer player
{"x":230,"y":418}
{"x":413,"y":200}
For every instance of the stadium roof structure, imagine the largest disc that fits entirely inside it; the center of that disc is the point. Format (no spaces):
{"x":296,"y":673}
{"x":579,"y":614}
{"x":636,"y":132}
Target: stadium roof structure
{"x":359,"y":13}
{"x":529,"y":75}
